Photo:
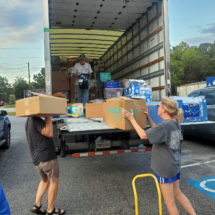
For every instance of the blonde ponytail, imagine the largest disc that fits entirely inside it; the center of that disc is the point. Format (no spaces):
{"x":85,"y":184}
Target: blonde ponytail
{"x":180,"y":115}
{"x":171,"y":107}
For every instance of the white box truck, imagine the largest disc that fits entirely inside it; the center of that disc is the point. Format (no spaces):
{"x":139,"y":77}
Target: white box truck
{"x":131,"y":37}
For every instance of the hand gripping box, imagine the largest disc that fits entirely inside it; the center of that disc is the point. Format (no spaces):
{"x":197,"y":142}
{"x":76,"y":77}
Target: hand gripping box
{"x":41,"y":104}
{"x":112,"y":112}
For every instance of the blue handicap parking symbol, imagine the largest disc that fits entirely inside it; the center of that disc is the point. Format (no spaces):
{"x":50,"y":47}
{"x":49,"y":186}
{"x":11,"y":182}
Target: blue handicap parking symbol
{"x":205,"y":185}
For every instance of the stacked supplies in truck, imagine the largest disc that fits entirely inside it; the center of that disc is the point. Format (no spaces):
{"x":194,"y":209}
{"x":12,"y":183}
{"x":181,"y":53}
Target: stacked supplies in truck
{"x":137,"y":89}
{"x":112,"y":89}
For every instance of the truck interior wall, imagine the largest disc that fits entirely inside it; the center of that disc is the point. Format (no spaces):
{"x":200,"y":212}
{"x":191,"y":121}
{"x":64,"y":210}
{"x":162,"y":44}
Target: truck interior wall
{"x":139,"y":52}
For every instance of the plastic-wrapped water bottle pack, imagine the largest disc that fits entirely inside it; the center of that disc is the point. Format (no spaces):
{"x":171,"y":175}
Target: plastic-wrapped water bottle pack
{"x":138,"y":89}
{"x":192,"y":107}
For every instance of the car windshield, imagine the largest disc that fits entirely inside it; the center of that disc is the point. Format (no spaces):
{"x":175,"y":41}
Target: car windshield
{"x":194,"y":94}
{"x":209,"y":96}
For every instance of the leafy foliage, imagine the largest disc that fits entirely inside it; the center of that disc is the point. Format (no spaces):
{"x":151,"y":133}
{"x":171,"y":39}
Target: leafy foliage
{"x":6,"y":89}
{"x":19,"y":86}
{"x":191,"y":64}
{"x":39,"y":80}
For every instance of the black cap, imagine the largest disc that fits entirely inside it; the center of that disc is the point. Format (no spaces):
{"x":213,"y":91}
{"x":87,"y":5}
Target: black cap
{"x":82,"y":57}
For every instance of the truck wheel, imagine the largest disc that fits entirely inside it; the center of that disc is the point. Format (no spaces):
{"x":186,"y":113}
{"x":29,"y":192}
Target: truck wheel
{"x":6,"y":145}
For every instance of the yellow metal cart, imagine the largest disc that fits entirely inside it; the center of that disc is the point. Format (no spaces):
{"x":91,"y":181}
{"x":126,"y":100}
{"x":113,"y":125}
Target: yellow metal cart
{"x":135,"y":192}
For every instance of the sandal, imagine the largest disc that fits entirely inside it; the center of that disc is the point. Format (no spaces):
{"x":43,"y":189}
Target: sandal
{"x":56,"y":212}
{"x":37,"y":210}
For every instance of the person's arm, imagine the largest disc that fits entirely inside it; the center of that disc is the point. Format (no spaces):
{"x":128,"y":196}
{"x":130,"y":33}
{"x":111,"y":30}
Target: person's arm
{"x":75,"y":72}
{"x":151,"y":123}
{"x":48,"y":130}
{"x":139,"y":130}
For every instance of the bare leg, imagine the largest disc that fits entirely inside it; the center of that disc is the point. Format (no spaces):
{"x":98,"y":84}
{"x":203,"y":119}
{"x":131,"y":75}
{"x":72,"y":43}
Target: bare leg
{"x":182,"y":199}
{"x":168,"y":195}
{"x":52,"y":195}
{"x":43,"y":186}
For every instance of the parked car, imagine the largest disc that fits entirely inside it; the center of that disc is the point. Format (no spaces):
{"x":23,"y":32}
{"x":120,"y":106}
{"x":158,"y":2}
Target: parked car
{"x":205,"y":129}
{"x":209,"y":93}
{"x":2,"y":103}
{"x":5,"y":127}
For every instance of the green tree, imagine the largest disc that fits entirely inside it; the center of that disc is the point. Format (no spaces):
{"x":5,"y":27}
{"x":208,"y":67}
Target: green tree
{"x":19,"y":86}
{"x":5,"y":89}
{"x":39,"y":80}
{"x":191,"y":64}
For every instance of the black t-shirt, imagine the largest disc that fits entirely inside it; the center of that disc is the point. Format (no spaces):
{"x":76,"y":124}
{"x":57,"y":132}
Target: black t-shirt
{"x":41,"y":147}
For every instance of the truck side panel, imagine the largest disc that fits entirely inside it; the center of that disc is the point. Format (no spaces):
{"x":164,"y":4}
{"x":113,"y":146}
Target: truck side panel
{"x":139,"y":53}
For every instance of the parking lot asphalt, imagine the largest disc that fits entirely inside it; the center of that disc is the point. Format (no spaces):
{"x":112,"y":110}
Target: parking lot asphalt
{"x":102,"y":184}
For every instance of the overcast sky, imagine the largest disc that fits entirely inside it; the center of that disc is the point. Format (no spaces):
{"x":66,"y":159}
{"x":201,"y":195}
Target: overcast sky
{"x":21,"y":31}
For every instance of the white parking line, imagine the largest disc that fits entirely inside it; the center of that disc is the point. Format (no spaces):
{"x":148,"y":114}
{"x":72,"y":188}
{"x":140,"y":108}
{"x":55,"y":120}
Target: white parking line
{"x":196,"y":164}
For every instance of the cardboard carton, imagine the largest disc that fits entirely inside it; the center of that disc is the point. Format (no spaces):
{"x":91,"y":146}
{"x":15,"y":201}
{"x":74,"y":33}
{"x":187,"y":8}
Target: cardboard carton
{"x":41,"y":104}
{"x":94,"y":110}
{"x":113,"y":112}
{"x":60,"y":81}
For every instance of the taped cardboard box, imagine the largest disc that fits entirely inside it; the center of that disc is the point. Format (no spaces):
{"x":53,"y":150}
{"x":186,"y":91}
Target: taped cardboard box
{"x":94,"y":110}
{"x":113,"y":112}
{"x":41,"y":104}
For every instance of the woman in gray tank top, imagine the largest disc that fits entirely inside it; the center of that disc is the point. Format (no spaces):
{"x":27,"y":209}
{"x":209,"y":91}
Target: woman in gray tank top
{"x":166,"y":158}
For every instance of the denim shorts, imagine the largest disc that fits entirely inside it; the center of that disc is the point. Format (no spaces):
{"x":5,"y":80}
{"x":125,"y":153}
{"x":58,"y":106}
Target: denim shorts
{"x":167,"y":180}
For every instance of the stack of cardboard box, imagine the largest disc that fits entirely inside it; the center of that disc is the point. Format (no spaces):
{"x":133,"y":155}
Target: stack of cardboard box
{"x":111,"y":112}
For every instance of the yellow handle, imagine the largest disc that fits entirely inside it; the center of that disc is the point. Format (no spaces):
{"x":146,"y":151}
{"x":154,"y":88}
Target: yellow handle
{"x":135,"y":192}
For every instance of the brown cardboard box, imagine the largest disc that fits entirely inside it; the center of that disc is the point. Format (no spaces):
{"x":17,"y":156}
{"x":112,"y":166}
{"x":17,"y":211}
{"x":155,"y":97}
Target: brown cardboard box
{"x":41,"y":104}
{"x":113,"y":112}
{"x":94,"y":110}
{"x":60,"y":81}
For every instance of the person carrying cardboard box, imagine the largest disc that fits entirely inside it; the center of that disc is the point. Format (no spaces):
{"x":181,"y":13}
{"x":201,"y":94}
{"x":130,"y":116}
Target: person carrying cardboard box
{"x":166,"y":157}
{"x":82,"y":68}
{"x":39,"y":135}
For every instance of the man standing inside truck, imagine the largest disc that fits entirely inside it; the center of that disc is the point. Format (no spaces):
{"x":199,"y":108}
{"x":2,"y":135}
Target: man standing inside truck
{"x":39,"y":135}
{"x":81,"y":68}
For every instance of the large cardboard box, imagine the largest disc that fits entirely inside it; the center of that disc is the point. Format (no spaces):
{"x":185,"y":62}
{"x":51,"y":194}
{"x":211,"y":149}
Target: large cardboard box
{"x":60,"y":81}
{"x":94,"y":110}
{"x":41,"y":104}
{"x":113,"y":112}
